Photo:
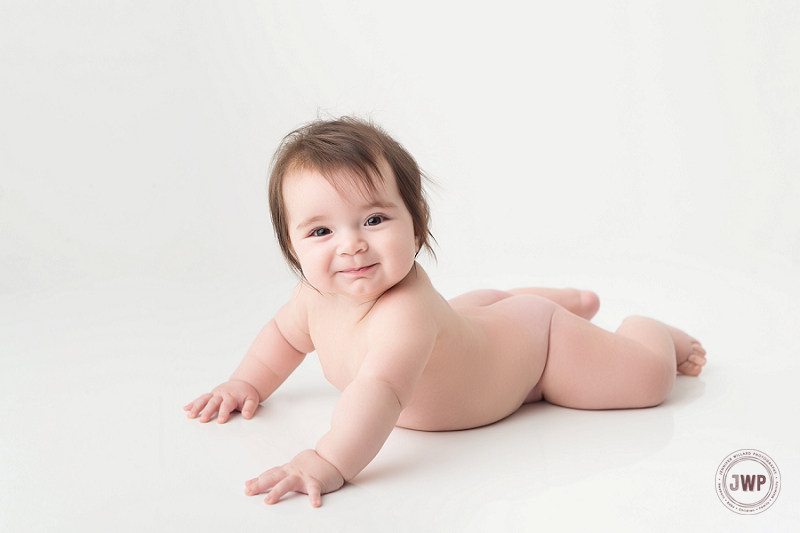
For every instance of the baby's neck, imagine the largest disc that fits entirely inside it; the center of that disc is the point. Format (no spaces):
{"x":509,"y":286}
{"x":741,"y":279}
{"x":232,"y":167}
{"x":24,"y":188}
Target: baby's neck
{"x":352,"y":306}
{"x":360,"y":307}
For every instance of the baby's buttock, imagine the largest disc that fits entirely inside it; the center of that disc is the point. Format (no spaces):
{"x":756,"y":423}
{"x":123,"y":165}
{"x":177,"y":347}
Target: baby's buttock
{"x":486,"y":369}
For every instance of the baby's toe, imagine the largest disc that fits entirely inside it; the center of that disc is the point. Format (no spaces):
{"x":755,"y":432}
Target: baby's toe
{"x":688,"y":369}
{"x":698,"y":348}
{"x":697,"y":359}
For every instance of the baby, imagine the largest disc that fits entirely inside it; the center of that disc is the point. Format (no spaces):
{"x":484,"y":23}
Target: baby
{"x":350,"y":216}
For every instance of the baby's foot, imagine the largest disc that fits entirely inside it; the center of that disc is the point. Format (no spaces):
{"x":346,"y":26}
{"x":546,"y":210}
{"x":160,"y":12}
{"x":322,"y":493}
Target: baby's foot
{"x":690,"y":355}
{"x":694,"y":362}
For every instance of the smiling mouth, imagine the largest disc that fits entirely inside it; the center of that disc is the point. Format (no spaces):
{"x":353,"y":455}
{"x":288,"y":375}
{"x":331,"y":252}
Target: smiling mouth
{"x":357,"y":270}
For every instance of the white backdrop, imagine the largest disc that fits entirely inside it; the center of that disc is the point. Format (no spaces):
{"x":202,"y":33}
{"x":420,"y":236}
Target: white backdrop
{"x":646,"y":150}
{"x":136,"y":137}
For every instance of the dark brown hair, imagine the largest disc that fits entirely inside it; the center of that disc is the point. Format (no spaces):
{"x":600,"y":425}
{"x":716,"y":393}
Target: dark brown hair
{"x":354,"y":147}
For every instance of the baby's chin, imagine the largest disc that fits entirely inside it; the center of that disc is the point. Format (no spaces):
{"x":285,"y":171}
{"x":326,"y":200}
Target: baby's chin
{"x":365,"y":290}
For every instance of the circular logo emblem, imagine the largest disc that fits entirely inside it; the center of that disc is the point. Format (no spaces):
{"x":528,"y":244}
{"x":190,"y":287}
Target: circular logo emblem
{"x":748,"y":482}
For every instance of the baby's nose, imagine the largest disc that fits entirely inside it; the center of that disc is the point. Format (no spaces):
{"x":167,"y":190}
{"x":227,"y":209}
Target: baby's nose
{"x":352,"y":243}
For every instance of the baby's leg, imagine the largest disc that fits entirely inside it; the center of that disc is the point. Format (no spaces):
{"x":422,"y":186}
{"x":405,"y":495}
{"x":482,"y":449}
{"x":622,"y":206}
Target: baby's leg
{"x":590,"y":368}
{"x":479,"y":298}
{"x":583,"y":303}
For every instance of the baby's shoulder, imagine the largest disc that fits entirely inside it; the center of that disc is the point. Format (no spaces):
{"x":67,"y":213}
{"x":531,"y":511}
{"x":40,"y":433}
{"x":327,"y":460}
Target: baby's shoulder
{"x":416,"y":305}
{"x":292,"y":319}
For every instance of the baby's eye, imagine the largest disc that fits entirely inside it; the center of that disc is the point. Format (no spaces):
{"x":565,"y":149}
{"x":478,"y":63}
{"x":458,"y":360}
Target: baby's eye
{"x":319,"y":232}
{"x":374,"y":220}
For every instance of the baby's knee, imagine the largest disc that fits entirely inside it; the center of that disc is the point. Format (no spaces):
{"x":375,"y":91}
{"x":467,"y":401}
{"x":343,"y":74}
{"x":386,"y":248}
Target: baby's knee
{"x":658,"y":392}
{"x":656,"y":382}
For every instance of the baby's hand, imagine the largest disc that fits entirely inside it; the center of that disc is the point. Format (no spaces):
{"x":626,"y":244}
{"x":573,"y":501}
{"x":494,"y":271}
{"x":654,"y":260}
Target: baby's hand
{"x":228,"y":397}
{"x":307,"y":473}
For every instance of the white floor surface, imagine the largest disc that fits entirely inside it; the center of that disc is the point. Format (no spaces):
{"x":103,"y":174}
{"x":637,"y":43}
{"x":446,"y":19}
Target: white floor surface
{"x":94,"y":438}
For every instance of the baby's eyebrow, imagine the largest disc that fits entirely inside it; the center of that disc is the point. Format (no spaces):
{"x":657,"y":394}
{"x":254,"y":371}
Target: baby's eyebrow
{"x":378,"y":205}
{"x":365,"y":207}
{"x":310,"y":221}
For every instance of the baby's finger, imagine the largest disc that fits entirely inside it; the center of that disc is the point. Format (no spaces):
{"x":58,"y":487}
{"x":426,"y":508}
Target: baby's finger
{"x":265,"y":481}
{"x":286,"y":485}
{"x":210,"y":409}
{"x":249,"y":407}
{"x":195,"y":406}
{"x":228,"y":404}
{"x":314,"y":493}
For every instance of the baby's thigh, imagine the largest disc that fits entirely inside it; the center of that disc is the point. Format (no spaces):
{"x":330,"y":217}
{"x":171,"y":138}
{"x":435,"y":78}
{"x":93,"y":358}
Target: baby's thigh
{"x":591,"y":368}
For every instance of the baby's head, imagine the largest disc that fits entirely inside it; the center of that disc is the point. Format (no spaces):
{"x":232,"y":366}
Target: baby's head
{"x":350,"y":148}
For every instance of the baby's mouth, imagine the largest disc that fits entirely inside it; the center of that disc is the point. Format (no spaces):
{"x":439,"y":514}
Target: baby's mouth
{"x":360,"y":270}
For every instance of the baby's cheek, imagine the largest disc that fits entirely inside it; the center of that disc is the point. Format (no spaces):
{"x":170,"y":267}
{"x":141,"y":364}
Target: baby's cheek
{"x":320,"y":263}
{"x":411,"y":245}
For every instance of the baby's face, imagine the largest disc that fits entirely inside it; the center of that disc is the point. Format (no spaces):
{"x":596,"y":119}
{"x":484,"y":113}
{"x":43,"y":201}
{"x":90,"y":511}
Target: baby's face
{"x":349,"y":244}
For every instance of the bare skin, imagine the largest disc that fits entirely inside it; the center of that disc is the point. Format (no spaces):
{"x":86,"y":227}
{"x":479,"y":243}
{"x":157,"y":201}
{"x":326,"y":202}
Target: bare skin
{"x":402,"y":355}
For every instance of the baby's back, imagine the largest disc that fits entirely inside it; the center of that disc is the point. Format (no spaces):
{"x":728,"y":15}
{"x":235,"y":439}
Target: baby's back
{"x":486,"y":361}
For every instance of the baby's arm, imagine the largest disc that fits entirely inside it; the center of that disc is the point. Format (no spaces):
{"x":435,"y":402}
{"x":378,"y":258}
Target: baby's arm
{"x":400,"y":342}
{"x":270,"y":359}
